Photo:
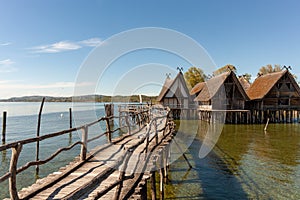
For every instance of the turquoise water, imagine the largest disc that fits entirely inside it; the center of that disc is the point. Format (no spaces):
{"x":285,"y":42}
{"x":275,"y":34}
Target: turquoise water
{"x":246,"y":163}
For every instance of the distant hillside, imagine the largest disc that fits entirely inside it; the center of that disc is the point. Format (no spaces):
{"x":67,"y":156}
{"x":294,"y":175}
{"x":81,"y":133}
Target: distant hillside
{"x":85,"y":98}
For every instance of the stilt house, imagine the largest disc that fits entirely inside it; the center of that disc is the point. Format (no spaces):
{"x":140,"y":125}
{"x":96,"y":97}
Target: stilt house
{"x":176,"y":96}
{"x":223,"y":94}
{"x":275,"y":96}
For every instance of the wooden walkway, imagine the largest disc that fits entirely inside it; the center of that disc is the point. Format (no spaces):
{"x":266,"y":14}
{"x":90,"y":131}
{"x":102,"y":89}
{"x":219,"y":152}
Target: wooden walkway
{"x":117,"y":170}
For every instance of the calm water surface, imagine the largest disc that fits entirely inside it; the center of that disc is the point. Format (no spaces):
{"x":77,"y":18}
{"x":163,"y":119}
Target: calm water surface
{"x":246,"y":163}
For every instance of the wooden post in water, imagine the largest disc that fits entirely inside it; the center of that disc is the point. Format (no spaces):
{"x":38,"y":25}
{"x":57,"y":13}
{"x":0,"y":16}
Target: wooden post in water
{"x":109,"y":112}
{"x":38,"y":135}
{"x":4,"y":127}
{"x":71,"y":124}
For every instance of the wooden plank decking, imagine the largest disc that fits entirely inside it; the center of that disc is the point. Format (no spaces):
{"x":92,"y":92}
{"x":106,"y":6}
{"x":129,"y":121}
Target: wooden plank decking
{"x":111,"y":171}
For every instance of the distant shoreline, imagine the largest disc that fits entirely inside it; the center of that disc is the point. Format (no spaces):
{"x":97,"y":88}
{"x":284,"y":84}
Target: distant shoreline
{"x":84,"y":98}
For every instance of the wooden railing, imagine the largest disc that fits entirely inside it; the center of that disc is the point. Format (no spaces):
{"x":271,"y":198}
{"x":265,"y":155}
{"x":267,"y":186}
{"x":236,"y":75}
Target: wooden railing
{"x":16,"y":147}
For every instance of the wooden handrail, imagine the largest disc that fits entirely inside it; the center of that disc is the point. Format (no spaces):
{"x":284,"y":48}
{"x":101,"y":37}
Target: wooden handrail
{"x":40,"y":162}
{"x":17,"y":146}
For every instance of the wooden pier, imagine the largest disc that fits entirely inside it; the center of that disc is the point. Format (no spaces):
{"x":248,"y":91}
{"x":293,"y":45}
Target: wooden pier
{"x":119,"y":169}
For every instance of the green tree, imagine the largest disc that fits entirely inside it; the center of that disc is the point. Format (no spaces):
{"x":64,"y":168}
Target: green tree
{"x":247,"y":77}
{"x":226,"y":68}
{"x":269,"y":69}
{"x":193,"y":76}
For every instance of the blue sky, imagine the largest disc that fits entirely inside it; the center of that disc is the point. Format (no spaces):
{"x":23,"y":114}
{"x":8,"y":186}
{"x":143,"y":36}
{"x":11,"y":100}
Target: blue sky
{"x":44,"y":43}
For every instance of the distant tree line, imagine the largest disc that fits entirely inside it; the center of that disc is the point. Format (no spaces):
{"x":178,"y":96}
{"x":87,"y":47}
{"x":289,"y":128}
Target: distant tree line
{"x":84,"y":98}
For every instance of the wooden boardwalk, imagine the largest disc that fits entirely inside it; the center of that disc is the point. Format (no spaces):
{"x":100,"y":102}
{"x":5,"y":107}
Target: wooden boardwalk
{"x":116,"y":170}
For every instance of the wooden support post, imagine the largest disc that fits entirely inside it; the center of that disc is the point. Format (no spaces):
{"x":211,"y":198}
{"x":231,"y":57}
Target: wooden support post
{"x":38,"y":135}
{"x":127,"y":123}
{"x":4,"y":127}
{"x":13,"y":170}
{"x":156,"y":132}
{"x":161,"y":177}
{"x":147,"y":138}
{"x":153,"y":185}
{"x":165,"y":156}
{"x":108,"y":130}
{"x":84,"y":145}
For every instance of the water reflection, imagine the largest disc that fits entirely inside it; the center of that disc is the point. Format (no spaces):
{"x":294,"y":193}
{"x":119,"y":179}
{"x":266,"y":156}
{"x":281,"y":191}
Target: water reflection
{"x":246,"y":163}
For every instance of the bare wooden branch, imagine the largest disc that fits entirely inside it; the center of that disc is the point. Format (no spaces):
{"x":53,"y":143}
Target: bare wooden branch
{"x":5,"y":177}
{"x":13,"y":170}
{"x":41,"y":162}
{"x":96,"y":137}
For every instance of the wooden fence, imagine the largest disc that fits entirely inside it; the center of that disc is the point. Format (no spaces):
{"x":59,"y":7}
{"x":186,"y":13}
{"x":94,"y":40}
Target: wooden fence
{"x":16,"y":147}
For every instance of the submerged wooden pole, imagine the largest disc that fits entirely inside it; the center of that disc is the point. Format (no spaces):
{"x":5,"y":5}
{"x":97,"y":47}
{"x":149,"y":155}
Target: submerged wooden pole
{"x":4,"y":127}
{"x":38,"y":135}
{"x":265,"y":129}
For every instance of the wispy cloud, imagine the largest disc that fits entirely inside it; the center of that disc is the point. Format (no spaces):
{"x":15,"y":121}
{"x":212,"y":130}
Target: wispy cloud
{"x":56,"y":47}
{"x":6,"y":62}
{"x":6,"y":66}
{"x":5,"y":44}
{"x":92,"y":42}
{"x":66,"y":46}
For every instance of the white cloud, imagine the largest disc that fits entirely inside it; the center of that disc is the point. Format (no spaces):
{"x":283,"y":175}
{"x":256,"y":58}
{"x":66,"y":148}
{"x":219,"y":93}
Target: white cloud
{"x":56,"y":47}
{"x":5,"y":44}
{"x":6,"y":62}
{"x":66,"y":46}
{"x":6,"y":66}
{"x":92,"y":42}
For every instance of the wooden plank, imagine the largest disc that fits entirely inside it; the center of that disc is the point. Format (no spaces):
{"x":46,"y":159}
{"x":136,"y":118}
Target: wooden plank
{"x":92,"y":178}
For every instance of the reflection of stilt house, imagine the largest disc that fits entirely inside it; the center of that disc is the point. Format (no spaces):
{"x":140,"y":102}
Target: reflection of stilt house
{"x":223,"y":94}
{"x":275,"y":96}
{"x":175,"y":95}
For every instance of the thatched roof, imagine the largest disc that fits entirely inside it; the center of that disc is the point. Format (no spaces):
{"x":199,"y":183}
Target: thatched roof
{"x":263,"y":84}
{"x":169,"y":83}
{"x":197,"y":88}
{"x":213,"y":85}
{"x":245,"y":84}
{"x":166,"y":86}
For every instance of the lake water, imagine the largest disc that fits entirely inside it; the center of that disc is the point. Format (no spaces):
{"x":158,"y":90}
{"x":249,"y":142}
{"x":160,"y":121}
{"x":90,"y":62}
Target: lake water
{"x":246,"y":163}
